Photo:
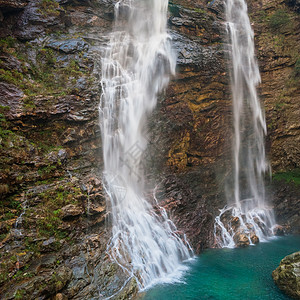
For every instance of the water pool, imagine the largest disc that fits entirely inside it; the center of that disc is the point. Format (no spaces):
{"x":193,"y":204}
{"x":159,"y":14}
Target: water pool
{"x":230,"y":274}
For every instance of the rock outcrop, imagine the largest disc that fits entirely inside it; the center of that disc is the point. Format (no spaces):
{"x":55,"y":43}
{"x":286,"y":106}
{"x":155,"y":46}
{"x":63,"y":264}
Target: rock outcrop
{"x":287,"y":275}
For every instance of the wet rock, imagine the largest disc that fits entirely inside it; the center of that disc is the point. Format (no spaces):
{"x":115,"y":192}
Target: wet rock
{"x":68,"y":46}
{"x":235,"y":223}
{"x":193,"y":54}
{"x":187,"y":213}
{"x":71,"y":211}
{"x":280,"y":230}
{"x":254,"y":238}
{"x":241,"y":239}
{"x":287,"y":275}
{"x":33,"y":21}
{"x":286,"y":205}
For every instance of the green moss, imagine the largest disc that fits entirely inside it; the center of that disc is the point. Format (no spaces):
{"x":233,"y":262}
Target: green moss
{"x":200,"y":11}
{"x":297,"y":67}
{"x":289,"y":176}
{"x":279,"y":19}
{"x":12,"y":76}
{"x":49,"y":222}
{"x":8,"y":42}
{"x":49,"y":7}
{"x":19,"y":294}
{"x":46,"y":170}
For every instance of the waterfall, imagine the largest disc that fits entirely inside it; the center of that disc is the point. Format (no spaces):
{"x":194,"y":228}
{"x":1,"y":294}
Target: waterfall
{"x":135,"y":67}
{"x":247,"y":214}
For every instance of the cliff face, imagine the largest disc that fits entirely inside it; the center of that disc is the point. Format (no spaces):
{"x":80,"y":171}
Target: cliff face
{"x":277,"y":29}
{"x":53,"y":232}
{"x":197,"y":112}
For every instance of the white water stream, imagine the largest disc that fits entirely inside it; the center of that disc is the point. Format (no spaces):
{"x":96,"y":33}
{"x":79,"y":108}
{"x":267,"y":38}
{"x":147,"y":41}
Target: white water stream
{"x":135,"y":68}
{"x":246,"y":201}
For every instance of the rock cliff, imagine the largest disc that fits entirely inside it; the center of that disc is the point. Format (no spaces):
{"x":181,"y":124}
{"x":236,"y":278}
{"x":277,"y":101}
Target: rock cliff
{"x":54,"y":223}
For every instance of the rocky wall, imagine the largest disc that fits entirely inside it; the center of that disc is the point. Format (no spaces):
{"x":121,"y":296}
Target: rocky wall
{"x":54,"y":220}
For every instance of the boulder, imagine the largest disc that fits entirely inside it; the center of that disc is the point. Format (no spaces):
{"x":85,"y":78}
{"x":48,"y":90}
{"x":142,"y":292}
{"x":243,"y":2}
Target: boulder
{"x":280,"y":230}
{"x":241,"y":239}
{"x":287,"y":275}
{"x":254,"y":238}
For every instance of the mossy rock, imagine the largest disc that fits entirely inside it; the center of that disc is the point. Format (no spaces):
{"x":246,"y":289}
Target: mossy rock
{"x":287,"y":275}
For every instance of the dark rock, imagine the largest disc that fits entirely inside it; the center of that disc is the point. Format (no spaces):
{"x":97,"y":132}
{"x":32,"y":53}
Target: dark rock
{"x":192,"y":53}
{"x":45,"y":283}
{"x":190,"y":216}
{"x":217,"y":6}
{"x":286,"y":206}
{"x":254,"y":238}
{"x":294,"y":4}
{"x":287,"y":275}
{"x":68,"y":46}
{"x":9,"y":62}
{"x":49,"y":245}
{"x":33,"y":21}
{"x":280,"y":230}
{"x":10,"y":96}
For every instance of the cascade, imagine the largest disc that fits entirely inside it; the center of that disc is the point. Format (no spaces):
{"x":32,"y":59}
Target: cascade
{"x":247,"y":212}
{"x":135,"y":67}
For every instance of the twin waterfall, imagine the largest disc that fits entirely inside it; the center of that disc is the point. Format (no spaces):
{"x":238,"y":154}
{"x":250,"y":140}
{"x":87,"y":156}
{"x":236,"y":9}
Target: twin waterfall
{"x":135,"y":68}
{"x":247,"y":218}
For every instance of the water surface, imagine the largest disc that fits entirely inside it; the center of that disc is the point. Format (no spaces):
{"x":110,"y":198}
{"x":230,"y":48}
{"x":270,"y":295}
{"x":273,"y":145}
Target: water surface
{"x":231,"y":274}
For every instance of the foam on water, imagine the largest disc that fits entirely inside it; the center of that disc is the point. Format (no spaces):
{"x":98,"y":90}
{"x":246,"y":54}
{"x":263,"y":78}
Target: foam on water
{"x":247,"y":205}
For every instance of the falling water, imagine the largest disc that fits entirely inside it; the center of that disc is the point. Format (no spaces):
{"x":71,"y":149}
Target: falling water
{"x":135,"y":68}
{"x":247,"y":209}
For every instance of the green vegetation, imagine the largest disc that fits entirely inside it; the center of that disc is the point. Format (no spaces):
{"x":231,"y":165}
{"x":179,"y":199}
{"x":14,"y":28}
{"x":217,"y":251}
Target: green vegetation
{"x":12,"y":76}
{"x":20,"y":294}
{"x":297,"y":67}
{"x":8,"y":42}
{"x":49,"y":222}
{"x":6,"y":135}
{"x":289,"y":176}
{"x":279,"y":19}
{"x":47,"y":77}
{"x":49,"y":7}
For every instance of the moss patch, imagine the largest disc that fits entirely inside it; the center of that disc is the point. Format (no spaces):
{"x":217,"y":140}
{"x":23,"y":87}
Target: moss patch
{"x":289,"y":176}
